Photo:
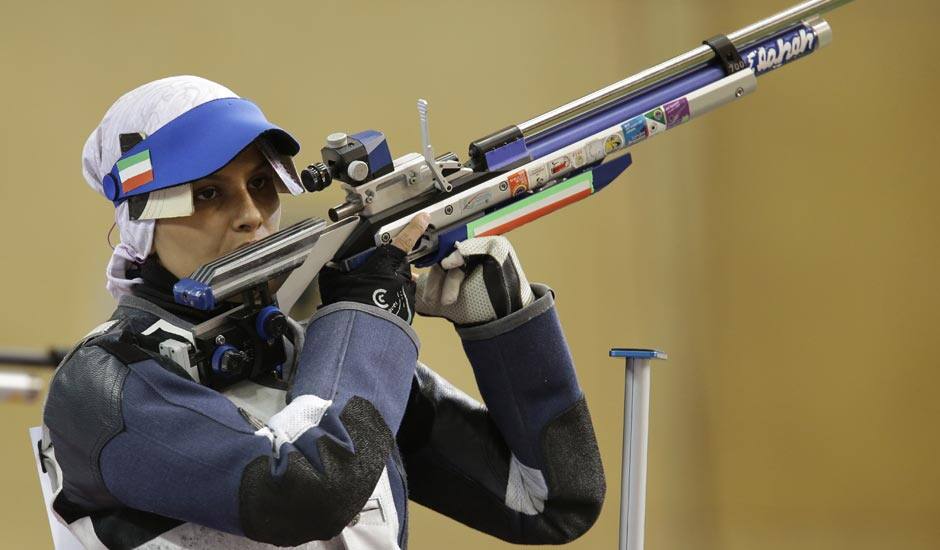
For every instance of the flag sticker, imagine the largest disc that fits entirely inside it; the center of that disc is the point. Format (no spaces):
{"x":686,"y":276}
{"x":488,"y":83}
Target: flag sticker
{"x":532,"y":207}
{"x":135,"y":171}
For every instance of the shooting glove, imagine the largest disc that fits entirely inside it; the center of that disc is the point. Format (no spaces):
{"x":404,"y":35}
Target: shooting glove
{"x":480,"y":281}
{"x":383,"y":281}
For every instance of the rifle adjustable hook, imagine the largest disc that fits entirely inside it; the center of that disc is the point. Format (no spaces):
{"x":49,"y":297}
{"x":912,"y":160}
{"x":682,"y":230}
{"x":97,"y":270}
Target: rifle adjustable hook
{"x":439,"y":181}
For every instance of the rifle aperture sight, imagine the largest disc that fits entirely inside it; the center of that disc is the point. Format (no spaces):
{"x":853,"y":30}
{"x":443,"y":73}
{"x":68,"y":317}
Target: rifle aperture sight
{"x":355,"y":159}
{"x":316,"y":177}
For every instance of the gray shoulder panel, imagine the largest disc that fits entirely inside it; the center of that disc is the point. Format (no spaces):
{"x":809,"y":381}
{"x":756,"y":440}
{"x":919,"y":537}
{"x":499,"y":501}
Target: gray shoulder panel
{"x":83,"y":413}
{"x":371,"y":310}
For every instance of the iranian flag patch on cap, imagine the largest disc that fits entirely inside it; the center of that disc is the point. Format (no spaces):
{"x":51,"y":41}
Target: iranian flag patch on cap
{"x":135,"y":171}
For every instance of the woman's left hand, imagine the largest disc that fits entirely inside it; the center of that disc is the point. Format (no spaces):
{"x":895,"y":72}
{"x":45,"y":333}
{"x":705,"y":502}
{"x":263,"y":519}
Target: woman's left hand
{"x":482,"y":280}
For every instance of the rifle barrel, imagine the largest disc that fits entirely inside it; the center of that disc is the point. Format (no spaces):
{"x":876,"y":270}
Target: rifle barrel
{"x":677,"y":65}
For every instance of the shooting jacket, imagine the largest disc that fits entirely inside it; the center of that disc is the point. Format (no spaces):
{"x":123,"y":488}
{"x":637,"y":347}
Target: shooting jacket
{"x":142,"y":456}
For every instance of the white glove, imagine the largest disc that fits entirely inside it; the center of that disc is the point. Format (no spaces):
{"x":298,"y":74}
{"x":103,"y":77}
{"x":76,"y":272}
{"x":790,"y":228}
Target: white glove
{"x":478,"y":282}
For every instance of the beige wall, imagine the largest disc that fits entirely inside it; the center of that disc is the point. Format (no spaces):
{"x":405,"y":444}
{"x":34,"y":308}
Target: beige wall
{"x":782,"y":250}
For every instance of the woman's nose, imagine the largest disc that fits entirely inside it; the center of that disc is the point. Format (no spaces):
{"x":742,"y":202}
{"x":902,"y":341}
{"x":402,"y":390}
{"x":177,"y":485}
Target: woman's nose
{"x":248,"y":217}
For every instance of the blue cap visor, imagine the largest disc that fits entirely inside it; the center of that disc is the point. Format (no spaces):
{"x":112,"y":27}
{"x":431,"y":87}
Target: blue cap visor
{"x":192,"y":146}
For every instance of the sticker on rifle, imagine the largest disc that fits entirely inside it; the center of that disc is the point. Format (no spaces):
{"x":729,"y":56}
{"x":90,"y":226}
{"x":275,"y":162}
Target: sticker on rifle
{"x":613,"y":142}
{"x":655,"y":121}
{"x":677,"y":112}
{"x":477,"y":201}
{"x":538,"y":174}
{"x":594,"y":151}
{"x":560,"y":165}
{"x":634,"y":130}
{"x":578,"y":158}
{"x":518,"y":183}
{"x":774,"y":53}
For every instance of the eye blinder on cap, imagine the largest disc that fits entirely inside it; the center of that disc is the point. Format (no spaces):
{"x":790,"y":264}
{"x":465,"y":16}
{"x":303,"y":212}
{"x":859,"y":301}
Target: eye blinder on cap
{"x":128,"y":141}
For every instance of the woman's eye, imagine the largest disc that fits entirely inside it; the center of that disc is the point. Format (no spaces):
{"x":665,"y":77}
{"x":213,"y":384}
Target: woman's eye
{"x":207,"y":194}
{"x":259,"y":182}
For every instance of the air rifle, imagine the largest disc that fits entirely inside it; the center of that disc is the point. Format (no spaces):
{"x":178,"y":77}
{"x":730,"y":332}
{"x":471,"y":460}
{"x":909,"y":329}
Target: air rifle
{"x":512,"y":177}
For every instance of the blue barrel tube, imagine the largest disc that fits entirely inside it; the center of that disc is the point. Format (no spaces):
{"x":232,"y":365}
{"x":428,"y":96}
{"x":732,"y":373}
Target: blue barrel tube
{"x":762,"y":58}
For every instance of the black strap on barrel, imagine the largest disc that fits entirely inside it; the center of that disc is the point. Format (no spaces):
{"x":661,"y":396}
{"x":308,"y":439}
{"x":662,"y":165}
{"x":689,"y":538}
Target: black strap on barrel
{"x":727,"y":54}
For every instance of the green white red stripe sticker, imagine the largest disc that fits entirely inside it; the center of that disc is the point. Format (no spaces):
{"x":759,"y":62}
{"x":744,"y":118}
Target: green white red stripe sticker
{"x":135,"y":171}
{"x":533,"y":207}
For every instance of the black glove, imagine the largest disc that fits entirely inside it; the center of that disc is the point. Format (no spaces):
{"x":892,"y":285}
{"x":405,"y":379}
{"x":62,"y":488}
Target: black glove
{"x":383,"y":281}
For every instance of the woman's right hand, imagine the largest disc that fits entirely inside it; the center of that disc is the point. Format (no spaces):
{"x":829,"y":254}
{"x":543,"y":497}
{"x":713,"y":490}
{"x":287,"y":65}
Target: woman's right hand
{"x":384,"y":280}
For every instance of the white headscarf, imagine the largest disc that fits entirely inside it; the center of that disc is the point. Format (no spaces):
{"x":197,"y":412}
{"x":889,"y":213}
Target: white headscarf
{"x":143,"y":109}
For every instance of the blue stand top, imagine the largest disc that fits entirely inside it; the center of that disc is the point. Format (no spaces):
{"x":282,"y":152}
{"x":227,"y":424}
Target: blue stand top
{"x":637,"y":353}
